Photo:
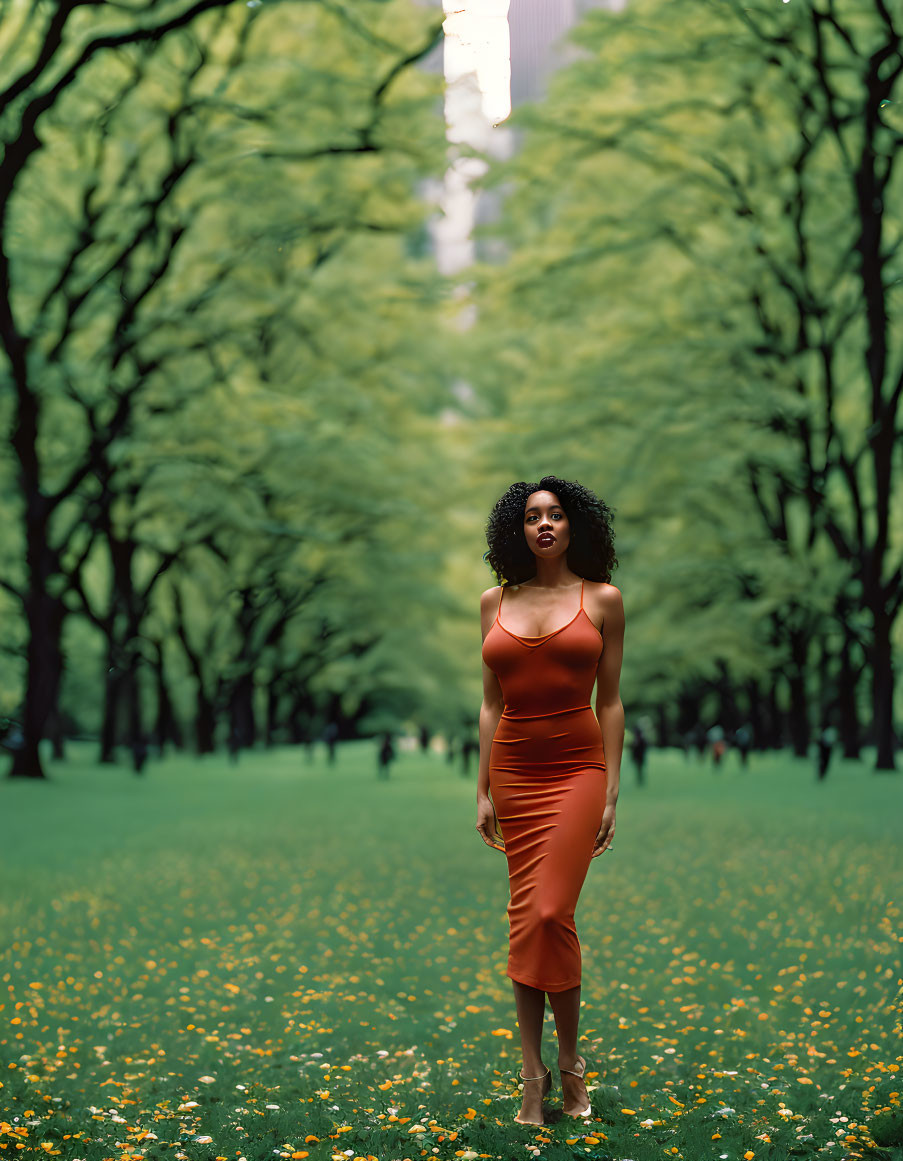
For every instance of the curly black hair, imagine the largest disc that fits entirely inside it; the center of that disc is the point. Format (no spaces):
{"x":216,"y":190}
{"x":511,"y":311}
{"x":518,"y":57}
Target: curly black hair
{"x":591,"y":551}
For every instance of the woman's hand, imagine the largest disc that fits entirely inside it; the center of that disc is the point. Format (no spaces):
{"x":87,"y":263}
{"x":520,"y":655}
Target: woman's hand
{"x":606,"y":832}
{"x":488,"y":825}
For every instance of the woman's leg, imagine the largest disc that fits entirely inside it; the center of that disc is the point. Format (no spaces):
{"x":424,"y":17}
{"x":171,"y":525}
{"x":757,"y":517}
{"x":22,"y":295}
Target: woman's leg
{"x":566,"y":1008}
{"x":531,"y":1009}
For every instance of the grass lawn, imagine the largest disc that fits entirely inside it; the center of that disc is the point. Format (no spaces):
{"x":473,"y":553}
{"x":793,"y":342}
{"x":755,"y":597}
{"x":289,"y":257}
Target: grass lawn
{"x":287,"y":959}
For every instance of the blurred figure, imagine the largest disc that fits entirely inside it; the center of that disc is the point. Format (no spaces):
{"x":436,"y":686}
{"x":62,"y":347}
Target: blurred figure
{"x":386,"y":756}
{"x":139,"y":752}
{"x":716,"y":740}
{"x":329,"y":736}
{"x":11,"y":736}
{"x":743,"y":741}
{"x":639,"y":744}
{"x":825,"y":743}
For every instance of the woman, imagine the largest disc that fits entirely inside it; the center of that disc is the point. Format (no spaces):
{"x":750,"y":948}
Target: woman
{"x":551,"y":764}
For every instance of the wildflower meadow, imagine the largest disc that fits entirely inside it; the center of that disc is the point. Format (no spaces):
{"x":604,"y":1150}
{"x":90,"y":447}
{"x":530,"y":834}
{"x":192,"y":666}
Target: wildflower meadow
{"x":287,"y":958}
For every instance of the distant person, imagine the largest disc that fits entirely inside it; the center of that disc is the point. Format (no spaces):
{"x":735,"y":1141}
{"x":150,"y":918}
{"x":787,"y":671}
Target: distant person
{"x":743,"y":741}
{"x":825,"y":743}
{"x":386,"y":756}
{"x":716,"y":740}
{"x":139,"y":752}
{"x":329,"y":735}
{"x":12,"y":738}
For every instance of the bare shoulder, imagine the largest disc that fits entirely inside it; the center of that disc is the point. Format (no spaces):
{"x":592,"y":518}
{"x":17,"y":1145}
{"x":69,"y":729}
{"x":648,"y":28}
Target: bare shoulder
{"x":490,"y":597}
{"x":604,"y":603}
{"x":489,"y":601}
{"x":604,"y":591}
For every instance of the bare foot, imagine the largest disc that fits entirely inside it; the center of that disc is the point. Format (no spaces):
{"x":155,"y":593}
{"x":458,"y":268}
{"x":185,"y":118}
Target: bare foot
{"x":531,"y":1105}
{"x":575,"y":1098}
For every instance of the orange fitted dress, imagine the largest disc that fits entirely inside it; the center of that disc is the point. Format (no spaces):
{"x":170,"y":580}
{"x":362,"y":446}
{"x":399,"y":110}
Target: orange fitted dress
{"x":548,"y":780}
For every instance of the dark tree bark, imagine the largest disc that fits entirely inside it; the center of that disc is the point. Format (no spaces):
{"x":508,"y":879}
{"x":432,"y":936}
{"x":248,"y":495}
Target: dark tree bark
{"x":755,"y":714}
{"x":166,"y":727}
{"x":798,"y":708}
{"x":773,"y":716}
{"x":847,"y":684}
{"x":25,"y":100}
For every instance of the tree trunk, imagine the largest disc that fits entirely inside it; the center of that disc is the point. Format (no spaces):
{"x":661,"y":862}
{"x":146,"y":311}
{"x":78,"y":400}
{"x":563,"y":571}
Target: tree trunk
{"x":166,"y":727}
{"x":113,"y":681}
{"x":241,"y":711}
{"x":883,"y":691}
{"x":756,"y":719}
{"x":204,"y":723}
{"x":45,"y":668}
{"x":773,"y":733}
{"x":688,"y":711}
{"x":44,"y":660}
{"x":661,"y":730}
{"x":798,"y":712}
{"x":848,"y":714}
{"x":136,"y":739}
{"x":272,"y":713}
{"x":728,"y":714}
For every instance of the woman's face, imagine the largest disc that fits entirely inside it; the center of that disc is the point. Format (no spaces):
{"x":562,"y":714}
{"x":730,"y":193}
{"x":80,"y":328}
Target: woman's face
{"x":546,"y":527}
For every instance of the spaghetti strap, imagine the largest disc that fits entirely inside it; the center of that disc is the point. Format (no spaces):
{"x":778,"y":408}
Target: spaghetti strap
{"x":582,"y":583}
{"x":501,"y":594}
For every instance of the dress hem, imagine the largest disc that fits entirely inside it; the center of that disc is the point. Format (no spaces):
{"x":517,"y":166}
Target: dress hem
{"x":533,"y":982}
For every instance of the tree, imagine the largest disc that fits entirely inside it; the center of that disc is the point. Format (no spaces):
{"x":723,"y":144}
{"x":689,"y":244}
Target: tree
{"x":710,"y":289}
{"x":131,"y":287}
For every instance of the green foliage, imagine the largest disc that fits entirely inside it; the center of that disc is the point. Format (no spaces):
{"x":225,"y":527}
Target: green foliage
{"x":681,"y":323}
{"x":241,"y":358}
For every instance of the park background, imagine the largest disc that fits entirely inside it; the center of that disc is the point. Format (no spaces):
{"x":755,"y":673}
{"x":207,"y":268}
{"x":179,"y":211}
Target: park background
{"x":260,"y":390}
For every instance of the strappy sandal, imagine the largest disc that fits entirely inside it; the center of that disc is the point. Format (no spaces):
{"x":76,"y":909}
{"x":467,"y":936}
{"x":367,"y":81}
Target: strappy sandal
{"x":589,"y":1108}
{"x":546,"y":1076}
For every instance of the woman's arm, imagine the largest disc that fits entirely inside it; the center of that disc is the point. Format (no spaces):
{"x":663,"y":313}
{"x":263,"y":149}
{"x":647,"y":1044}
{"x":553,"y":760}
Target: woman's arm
{"x":490,"y":714}
{"x":609,"y":709}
